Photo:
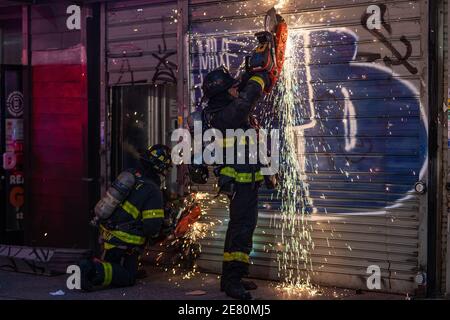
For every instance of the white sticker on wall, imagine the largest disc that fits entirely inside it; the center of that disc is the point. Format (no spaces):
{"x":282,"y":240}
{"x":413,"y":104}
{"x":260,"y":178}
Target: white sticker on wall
{"x":14,"y":104}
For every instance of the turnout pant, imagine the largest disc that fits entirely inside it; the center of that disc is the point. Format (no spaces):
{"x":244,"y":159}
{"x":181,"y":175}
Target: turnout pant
{"x":239,"y":236}
{"x":118,"y":268}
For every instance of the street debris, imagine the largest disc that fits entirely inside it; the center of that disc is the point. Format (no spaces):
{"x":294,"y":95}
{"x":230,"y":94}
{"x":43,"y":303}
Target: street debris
{"x":196,"y":293}
{"x":57,"y":293}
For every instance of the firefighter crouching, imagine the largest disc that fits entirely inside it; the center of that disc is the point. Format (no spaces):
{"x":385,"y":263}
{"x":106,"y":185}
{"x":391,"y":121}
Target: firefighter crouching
{"x":230,"y":107}
{"x":137,"y":218}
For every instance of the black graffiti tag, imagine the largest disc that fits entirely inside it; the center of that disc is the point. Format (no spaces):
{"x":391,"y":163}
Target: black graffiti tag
{"x":399,"y":58}
{"x":25,"y":260}
{"x":164,"y":69}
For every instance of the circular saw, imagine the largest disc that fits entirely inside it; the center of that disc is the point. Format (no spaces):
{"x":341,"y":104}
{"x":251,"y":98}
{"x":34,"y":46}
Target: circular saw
{"x":269,"y":54}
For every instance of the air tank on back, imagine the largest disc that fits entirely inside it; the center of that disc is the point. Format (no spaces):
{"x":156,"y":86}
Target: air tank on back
{"x":115,"y":195}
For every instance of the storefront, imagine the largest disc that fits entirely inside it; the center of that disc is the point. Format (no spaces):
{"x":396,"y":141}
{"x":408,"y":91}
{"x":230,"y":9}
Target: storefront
{"x":49,"y":148}
{"x":110,"y":78}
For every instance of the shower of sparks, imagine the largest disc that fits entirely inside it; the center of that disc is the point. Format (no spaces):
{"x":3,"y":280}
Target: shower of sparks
{"x":294,"y":254}
{"x":280,"y":4}
{"x":300,"y":290}
{"x":188,"y":245}
{"x":198,"y":231}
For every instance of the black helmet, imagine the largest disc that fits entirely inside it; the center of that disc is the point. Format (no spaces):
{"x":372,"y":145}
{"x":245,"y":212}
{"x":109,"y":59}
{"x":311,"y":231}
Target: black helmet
{"x":198,"y":173}
{"x":157,"y":157}
{"x":217,"y":81}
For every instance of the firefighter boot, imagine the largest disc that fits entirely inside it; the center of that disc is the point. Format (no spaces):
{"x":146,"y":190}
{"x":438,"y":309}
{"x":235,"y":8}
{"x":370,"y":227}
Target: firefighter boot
{"x":232,"y":281}
{"x":247,"y":284}
{"x":236,"y":290}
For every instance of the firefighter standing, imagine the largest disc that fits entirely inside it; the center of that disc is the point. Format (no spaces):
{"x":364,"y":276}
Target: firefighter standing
{"x":137,"y":219}
{"x":229,"y":108}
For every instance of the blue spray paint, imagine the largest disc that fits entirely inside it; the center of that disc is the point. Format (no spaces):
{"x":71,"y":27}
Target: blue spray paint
{"x":365,"y":135}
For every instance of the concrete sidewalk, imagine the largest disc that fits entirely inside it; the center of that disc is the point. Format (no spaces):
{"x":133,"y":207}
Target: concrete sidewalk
{"x":160,"y":285}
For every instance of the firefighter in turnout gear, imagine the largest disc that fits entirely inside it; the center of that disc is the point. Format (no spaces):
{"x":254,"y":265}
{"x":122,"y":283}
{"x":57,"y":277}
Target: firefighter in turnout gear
{"x":125,"y":233}
{"x":230,"y":106}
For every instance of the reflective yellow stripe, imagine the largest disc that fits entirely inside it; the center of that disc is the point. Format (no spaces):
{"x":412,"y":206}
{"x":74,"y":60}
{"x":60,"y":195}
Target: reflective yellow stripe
{"x":241,"y":177}
{"x":108,"y":246}
{"x":128,"y":207}
{"x":228,"y":142}
{"x":259,"y":80}
{"x":128,"y":238}
{"x":123,"y":236}
{"x":153,"y":214}
{"x":236,"y":256}
{"x":107,"y":269}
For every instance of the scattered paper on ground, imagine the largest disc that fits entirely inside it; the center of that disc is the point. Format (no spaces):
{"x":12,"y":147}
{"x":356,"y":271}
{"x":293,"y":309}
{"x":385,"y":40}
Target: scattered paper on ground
{"x":57,"y":293}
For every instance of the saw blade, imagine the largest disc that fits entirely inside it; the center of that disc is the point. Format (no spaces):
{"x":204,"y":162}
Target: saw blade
{"x":271,"y":21}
